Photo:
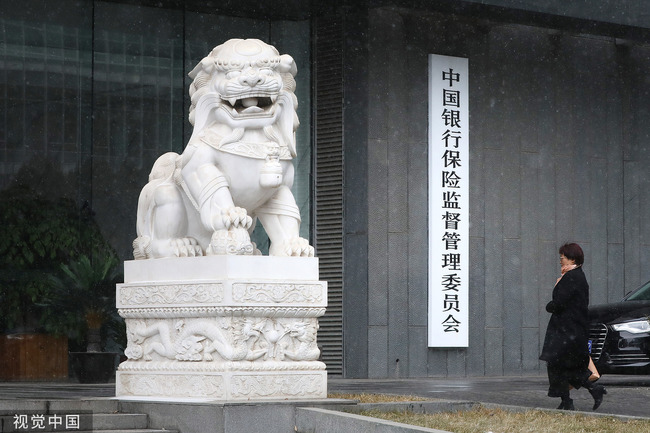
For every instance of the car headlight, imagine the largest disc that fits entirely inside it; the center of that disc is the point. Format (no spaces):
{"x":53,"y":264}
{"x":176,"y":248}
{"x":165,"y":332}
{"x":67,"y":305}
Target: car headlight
{"x":636,"y":327}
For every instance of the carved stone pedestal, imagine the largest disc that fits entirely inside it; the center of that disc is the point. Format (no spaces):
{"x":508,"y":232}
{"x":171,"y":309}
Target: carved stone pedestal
{"x":222,"y":328}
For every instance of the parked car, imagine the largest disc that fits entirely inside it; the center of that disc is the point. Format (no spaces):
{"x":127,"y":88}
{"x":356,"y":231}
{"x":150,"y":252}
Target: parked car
{"x":620,"y":334}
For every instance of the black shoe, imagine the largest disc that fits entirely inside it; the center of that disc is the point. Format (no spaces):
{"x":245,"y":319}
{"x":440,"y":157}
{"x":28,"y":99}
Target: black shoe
{"x":597,"y":392}
{"x":567,"y":404}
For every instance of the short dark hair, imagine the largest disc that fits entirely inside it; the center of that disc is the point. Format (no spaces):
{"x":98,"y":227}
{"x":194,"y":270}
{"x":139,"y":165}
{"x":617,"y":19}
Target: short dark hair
{"x":572,"y":251}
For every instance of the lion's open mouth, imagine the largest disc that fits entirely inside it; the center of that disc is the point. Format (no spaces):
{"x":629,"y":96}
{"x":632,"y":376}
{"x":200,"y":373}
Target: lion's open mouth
{"x":250,"y":104}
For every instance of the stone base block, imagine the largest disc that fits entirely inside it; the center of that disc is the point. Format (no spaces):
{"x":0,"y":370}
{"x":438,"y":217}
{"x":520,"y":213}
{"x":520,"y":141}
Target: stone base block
{"x":222,"y":328}
{"x":228,"y":386}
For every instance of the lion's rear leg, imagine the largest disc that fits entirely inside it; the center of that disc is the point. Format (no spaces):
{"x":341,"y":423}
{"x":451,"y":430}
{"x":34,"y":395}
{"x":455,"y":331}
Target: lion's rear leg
{"x":162,"y":218}
{"x":169,"y":225}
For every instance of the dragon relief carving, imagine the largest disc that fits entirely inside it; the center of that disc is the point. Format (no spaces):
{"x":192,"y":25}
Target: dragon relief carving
{"x":237,"y":165}
{"x":237,"y":339}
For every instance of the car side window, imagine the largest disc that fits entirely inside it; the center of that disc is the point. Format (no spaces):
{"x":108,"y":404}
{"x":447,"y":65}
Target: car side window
{"x":640,"y":294}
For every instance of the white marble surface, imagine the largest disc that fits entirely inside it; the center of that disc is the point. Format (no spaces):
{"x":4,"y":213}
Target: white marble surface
{"x":222,"y":328}
{"x":211,"y":267}
{"x":208,"y":317}
{"x":236,"y":168}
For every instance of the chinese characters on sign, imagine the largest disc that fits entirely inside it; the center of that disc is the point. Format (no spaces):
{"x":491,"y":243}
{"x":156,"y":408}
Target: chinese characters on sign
{"x":448,"y":201}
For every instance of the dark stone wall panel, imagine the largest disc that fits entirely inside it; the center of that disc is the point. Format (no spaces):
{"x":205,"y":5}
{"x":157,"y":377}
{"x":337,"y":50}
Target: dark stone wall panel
{"x":557,"y":142}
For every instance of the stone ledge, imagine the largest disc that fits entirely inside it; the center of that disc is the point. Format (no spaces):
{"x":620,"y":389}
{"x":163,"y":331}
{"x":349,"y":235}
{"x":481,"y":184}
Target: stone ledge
{"x":211,"y":367}
{"x":228,"y":386}
{"x":223,"y":292}
{"x":210,"y":268}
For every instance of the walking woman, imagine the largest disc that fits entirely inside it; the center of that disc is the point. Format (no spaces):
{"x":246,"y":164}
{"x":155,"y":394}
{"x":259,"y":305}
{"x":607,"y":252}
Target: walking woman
{"x":565,"y":345}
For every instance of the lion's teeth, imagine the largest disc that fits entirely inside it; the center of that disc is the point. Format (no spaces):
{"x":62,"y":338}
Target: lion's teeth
{"x":274,"y":98}
{"x":232,"y":101}
{"x":253,"y":109}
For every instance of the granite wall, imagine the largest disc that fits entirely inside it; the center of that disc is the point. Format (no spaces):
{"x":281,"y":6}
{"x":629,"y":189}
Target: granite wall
{"x":559,"y":126}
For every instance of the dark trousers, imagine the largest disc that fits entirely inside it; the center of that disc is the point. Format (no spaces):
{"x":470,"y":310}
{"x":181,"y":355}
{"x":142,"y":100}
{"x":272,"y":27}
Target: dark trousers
{"x":560,"y":377}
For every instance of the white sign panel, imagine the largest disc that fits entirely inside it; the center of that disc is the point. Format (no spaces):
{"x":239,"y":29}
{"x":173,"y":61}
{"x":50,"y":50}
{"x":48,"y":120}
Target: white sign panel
{"x":448,"y":201}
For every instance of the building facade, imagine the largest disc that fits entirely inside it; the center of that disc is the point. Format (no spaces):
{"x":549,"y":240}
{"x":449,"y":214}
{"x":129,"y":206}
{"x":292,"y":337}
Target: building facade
{"x":94,"y":91}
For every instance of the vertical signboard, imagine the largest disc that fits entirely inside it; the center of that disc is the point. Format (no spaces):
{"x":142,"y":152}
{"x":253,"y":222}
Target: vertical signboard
{"x":448,"y":201}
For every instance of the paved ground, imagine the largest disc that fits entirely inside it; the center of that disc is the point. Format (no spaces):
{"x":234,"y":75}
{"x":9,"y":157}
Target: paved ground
{"x":627,"y":395}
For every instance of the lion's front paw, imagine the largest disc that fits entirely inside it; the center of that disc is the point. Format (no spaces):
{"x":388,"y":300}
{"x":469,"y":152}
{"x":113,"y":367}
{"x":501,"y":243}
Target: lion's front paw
{"x":186,"y":247}
{"x":236,"y":217}
{"x":294,"y":247}
{"x":176,"y":247}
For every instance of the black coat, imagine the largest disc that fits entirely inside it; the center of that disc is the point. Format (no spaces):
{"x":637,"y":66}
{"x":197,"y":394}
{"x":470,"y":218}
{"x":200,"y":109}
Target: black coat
{"x":565,"y":344}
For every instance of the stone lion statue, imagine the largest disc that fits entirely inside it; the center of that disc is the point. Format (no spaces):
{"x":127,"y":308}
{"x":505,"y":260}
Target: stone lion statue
{"x":237,"y":165}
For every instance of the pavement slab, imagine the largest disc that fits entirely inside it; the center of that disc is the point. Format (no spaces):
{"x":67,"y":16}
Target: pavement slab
{"x":627,"y":395}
